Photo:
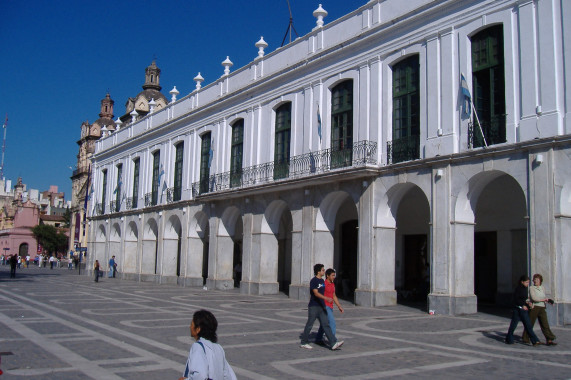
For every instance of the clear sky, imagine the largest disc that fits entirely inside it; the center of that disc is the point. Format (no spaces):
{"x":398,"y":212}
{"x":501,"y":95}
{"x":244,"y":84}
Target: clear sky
{"x":60,"y":57}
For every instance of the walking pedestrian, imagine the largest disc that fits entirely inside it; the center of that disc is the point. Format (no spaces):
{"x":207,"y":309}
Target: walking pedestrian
{"x":52,"y":262}
{"x":13,"y":263}
{"x":521,"y":305}
{"x":27,"y":261}
{"x":329,"y":293}
{"x":316,"y":310}
{"x":96,"y":270}
{"x":206,"y":359}
{"x":112,"y":267}
{"x":537,"y":295}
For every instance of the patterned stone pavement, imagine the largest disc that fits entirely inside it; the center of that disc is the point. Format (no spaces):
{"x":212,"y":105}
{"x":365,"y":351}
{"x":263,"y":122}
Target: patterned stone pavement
{"x":59,"y":325}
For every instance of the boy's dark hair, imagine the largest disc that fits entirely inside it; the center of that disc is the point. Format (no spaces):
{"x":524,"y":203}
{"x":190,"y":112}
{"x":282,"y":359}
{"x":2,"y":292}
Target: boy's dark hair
{"x":329,"y":271}
{"x":524,"y":278}
{"x":317,"y":268}
{"x":207,"y":323}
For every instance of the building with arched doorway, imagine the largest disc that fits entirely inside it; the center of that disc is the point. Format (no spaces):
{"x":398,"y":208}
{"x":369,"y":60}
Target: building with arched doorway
{"x":420,"y":149}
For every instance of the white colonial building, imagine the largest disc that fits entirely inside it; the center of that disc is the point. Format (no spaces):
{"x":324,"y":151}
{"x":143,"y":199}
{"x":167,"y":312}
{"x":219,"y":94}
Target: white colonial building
{"x":356,"y":147}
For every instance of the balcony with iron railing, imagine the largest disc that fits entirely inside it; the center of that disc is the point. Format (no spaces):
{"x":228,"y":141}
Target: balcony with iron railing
{"x":494,"y":131}
{"x":361,"y":153}
{"x":80,"y":170}
{"x":403,"y":149}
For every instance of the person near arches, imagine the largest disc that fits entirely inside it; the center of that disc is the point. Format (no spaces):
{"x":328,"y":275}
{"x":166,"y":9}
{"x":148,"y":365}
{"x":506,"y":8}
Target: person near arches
{"x":538,"y":297}
{"x":329,"y":292}
{"x":316,"y":310}
{"x":206,"y":359}
{"x":96,"y":270}
{"x":521,"y":305}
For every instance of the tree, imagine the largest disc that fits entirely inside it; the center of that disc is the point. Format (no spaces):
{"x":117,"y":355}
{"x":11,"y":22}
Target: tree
{"x":67,"y":218}
{"x":52,"y":240}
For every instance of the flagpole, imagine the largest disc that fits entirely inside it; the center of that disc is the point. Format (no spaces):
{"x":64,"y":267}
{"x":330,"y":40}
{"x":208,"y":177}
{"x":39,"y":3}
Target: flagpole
{"x":479,"y":125}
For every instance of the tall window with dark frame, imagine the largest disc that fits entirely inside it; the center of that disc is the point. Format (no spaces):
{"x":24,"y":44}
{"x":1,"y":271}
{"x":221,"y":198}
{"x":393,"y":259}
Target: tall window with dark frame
{"x":179,"y":156}
{"x":118,"y":188}
{"x":342,"y":124}
{"x":405,"y":145}
{"x":136,"y":165}
{"x":104,"y":191}
{"x":155,"y":184}
{"x":236,"y":153}
{"x":282,"y":143}
{"x":205,"y":160}
{"x":489,"y":86}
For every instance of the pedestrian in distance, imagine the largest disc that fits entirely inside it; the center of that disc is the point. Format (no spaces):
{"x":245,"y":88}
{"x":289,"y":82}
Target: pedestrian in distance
{"x":13,"y":263}
{"x":112,"y":267}
{"x":329,"y":293}
{"x":206,"y":359}
{"x":521,"y":305}
{"x":96,"y":270}
{"x":52,"y":262}
{"x":316,"y":310}
{"x":539,"y":299}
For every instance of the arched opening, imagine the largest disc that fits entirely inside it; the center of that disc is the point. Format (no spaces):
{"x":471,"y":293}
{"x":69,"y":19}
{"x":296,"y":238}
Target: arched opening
{"x":237,"y":253}
{"x":284,"y":251}
{"x":171,"y":261}
{"x":346,"y":249}
{"x":23,"y":250}
{"x":130,"y":256}
{"x":500,"y":240}
{"x":149,"y":262}
{"x":412,"y":260}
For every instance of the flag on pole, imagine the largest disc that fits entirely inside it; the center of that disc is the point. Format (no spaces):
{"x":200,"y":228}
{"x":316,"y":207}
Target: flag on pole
{"x":161,"y":172}
{"x":466,"y":103}
{"x":119,"y":184}
{"x":210,"y":154}
{"x":318,"y":122}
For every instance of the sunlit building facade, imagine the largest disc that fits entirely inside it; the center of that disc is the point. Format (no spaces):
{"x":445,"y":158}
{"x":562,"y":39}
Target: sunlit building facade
{"x":356,"y":146}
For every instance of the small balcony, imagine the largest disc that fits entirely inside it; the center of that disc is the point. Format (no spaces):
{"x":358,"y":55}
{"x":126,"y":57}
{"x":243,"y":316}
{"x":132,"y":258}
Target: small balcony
{"x":150,"y":199}
{"x":494,"y":130}
{"x":403,"y":149}
{"x":361,"y":153}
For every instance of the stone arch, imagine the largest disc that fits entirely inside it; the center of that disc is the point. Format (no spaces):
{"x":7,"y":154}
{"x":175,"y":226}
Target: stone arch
{"x":199,"y":245}
{"x":149,"y":262}
{"x":276,"y":244}
{"x":115,"y":243}
{"x":101,"y":235}
{"x":490,"y":235}
{"x":172,"y":247}
{"x":228,"y":250}
{"x":336,"y":239}
{"x":130,"y":256}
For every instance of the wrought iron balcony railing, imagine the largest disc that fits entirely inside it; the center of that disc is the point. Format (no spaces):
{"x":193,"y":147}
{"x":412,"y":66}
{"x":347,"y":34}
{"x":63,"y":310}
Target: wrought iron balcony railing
{"x":130,"y":203}
{"x":403,"y":149}
{"x":494,"y":131}
{"x":99,"y":208}
{"x":114,"y":206}
{"x":171,"y":194}
{"x":150,"y":199}
{"x":360,"y":154}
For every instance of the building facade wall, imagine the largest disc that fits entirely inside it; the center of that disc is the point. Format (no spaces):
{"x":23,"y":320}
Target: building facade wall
{"x":458,"y":212}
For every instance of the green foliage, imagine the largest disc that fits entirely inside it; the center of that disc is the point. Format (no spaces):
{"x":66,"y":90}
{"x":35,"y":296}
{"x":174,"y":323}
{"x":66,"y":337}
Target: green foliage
{"x":52,"y":240}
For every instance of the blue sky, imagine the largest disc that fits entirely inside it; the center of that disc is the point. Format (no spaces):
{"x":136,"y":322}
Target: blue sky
{"x":60,"y":57}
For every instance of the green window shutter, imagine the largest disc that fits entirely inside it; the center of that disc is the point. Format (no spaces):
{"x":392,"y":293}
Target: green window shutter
{"x":236,"y":153}
{"x":282,"y":141}
{"x":205,"y":161}
{"x":179,"y":156}
{"x":488,"y":84}
{"x":135,"y":183}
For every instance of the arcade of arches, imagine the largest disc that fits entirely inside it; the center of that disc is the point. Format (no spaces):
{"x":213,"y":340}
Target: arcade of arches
{"x":453,"y":241}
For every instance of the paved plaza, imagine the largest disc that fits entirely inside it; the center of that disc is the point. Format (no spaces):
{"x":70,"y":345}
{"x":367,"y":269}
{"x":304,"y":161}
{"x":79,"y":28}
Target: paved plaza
{"x":59,"y":325}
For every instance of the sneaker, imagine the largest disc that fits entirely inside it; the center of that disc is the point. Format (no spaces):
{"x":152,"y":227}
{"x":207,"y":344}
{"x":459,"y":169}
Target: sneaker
{"x":306,"y":346}
{"x":337,"y":345}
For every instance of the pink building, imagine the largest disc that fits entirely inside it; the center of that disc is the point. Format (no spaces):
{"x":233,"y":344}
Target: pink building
{"x":20,"y":239}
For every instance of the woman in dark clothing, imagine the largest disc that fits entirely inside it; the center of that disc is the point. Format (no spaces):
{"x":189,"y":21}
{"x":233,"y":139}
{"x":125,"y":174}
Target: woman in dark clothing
{"x":96,"y":270}
{"x":520,"y":312}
